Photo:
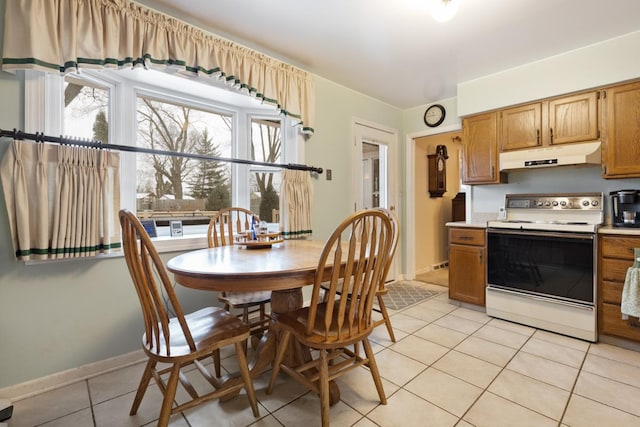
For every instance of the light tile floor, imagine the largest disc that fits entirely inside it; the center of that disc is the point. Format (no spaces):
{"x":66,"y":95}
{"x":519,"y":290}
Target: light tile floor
{"x":451,"y":366}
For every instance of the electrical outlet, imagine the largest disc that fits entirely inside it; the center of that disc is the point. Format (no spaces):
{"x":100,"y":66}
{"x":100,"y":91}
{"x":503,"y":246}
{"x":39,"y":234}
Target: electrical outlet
{"x":328,"y":174}
{"x":502,"y":214}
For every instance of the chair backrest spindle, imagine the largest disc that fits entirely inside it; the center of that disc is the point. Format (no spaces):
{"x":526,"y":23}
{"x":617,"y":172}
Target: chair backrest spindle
{"x":226,"y":223}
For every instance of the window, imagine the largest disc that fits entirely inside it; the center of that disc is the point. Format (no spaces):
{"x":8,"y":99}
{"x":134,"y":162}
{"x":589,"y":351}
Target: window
{"x":168,"y":185}
{"x":266,"y":145}
{"x":157,"y":110}
{"x":86,"y":109}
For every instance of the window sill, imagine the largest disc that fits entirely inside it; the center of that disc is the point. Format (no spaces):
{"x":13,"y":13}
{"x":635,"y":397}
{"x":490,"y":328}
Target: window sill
{"x":162,"y":244}
{"x":184,"y":243}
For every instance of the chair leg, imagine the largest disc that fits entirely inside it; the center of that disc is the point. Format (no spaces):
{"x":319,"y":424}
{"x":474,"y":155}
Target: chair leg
{"x":216,"y":362}
{"x":246,"y":377}
{"x":387,"y":319}
{"x":169,"y":395}
{"x":373,"y":367}
{"x":245,"y":319}
{"x":323,"y":382}
{"x":282,"y":348}
{"x":142,"y":388}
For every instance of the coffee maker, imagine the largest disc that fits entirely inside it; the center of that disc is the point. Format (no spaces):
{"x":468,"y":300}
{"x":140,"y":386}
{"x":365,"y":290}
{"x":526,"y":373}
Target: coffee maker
{"x":625,"y":208}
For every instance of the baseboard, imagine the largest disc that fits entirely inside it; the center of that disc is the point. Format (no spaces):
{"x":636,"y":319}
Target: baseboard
{"x":60,"y":379}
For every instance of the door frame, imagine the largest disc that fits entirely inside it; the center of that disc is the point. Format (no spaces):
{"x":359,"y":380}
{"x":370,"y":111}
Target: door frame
{"x":410,"y":205}
{"x":390,"y":140}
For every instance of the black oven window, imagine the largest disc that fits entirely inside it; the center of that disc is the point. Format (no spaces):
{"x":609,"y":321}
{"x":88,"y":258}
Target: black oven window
{"x":545,"y":265}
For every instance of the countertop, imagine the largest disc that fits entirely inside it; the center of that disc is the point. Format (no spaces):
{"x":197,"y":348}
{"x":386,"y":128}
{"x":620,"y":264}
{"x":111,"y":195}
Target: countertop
{"x":609,"y":229}
{"x":467,"y":224}
{"x":605,"y":229}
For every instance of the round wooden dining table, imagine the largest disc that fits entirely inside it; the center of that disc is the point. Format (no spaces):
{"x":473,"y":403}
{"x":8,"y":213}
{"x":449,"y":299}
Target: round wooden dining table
{"x":283,"y":268}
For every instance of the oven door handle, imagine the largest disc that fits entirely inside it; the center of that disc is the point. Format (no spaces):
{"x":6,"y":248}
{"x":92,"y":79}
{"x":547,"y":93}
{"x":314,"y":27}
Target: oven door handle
{"x":541,"y":298}
{"x":521,"y":232}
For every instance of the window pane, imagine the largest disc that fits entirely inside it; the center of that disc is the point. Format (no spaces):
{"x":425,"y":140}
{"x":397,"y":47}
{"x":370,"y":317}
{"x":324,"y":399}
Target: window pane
{"x":186,"y":188}
{"x":86,"y":110}
{"x":266,"y":146}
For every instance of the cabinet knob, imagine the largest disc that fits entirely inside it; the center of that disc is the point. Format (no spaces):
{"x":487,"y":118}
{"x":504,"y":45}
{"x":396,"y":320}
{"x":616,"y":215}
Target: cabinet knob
{"x":550,"y":135}
{"x":538,"y":136}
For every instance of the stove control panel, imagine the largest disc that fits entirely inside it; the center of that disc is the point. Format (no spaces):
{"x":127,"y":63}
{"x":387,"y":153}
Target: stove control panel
{"x":576,"y":201}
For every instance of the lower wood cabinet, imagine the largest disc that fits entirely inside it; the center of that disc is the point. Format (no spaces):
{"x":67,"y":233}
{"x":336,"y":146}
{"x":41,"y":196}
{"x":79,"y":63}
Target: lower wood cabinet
{"x":467,"y":264}
{"x":614,"y":259}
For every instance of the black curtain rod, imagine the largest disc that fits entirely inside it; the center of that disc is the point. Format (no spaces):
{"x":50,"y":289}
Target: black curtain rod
{"x":41,"y":137}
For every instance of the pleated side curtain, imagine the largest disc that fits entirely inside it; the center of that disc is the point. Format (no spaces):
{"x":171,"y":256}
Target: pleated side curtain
{"x":59,"y":36}
{"x":297,"y":194}
{"x":62,"y":201}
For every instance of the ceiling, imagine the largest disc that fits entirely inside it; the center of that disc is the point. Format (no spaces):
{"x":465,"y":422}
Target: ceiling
{"x":392,"y":50}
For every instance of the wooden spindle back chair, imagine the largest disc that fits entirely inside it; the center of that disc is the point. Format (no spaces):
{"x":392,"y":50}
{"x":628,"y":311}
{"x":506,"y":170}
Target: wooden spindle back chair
{"x":173,"y":337}
{"x":222,"y":228}
{"x":351,"y":267}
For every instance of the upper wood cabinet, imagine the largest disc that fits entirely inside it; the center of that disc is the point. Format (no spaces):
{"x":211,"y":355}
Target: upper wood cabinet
{"x":520,"y":127}
{"x":573,"y":119}
{"x":480,"y":150}
{"x":621,"y":131}
{"x":562,"y":120}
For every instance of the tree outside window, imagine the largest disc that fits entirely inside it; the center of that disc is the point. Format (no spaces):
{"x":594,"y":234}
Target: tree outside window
{"x":266,"y":146}
{"x":86,"y":108}
{"x":172,"y":183}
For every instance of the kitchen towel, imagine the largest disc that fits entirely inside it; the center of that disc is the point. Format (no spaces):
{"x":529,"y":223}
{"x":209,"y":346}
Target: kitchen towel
{"x":631,"y":291}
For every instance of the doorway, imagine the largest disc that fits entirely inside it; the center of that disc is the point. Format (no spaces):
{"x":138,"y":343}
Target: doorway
{"x":374,"y":157}
{"x":426,"y":234}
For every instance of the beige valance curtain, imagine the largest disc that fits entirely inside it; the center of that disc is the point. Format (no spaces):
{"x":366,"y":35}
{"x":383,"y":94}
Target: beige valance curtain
{"x":64,"y":35}
{"x":62,"y":201}
{"x":296,"y":197}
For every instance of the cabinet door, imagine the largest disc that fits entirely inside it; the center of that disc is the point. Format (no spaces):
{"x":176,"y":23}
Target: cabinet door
{"x":467,"y":273}
{"x":573,"y":119}
{"x":480,"y":154}
{"x":621,"y":131}
{"x":521,"y":127}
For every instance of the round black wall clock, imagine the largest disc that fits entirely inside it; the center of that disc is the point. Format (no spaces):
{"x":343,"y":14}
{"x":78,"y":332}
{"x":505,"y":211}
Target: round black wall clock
{"x":434,"y":115}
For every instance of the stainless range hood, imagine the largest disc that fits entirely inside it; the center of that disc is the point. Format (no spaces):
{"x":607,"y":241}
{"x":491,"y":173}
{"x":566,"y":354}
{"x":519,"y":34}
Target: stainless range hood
{"x":557,"y":155}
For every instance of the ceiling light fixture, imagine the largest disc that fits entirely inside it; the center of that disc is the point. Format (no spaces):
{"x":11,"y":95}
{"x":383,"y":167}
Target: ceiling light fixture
{"x":444,"y":10}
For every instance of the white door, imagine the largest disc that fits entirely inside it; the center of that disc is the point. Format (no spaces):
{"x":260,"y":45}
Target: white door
{"x":374,"y":184}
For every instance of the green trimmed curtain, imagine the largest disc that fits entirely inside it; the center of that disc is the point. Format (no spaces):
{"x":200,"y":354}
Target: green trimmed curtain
{"x":62,"y":201}
{"x":296,"y":196}
{"x":60,"y":36}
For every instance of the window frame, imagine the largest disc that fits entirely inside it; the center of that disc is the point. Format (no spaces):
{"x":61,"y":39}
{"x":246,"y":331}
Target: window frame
{"x":44,"y":96}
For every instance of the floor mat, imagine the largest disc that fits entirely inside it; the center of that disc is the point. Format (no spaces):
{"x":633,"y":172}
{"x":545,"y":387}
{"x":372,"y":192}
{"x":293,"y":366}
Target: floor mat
{"x":403,"y":294}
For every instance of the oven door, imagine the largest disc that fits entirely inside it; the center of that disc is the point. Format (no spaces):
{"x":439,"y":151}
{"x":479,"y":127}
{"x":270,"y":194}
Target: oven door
{"x":554,"y":265}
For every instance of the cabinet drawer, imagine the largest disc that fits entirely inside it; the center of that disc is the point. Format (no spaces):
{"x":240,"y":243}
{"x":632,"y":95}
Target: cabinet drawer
{"x":612,"y":323}
{"x":618,"y":246}
{"x":612,"y":292}
{"x":615,"y":269}
{"x":467,"y":236}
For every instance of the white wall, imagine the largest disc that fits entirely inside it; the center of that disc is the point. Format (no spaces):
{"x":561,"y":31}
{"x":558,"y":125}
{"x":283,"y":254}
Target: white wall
{"x":607,"y":62}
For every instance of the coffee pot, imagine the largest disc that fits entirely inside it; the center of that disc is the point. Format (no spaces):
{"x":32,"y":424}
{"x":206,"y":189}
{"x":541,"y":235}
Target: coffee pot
{"x":625,"y":208}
